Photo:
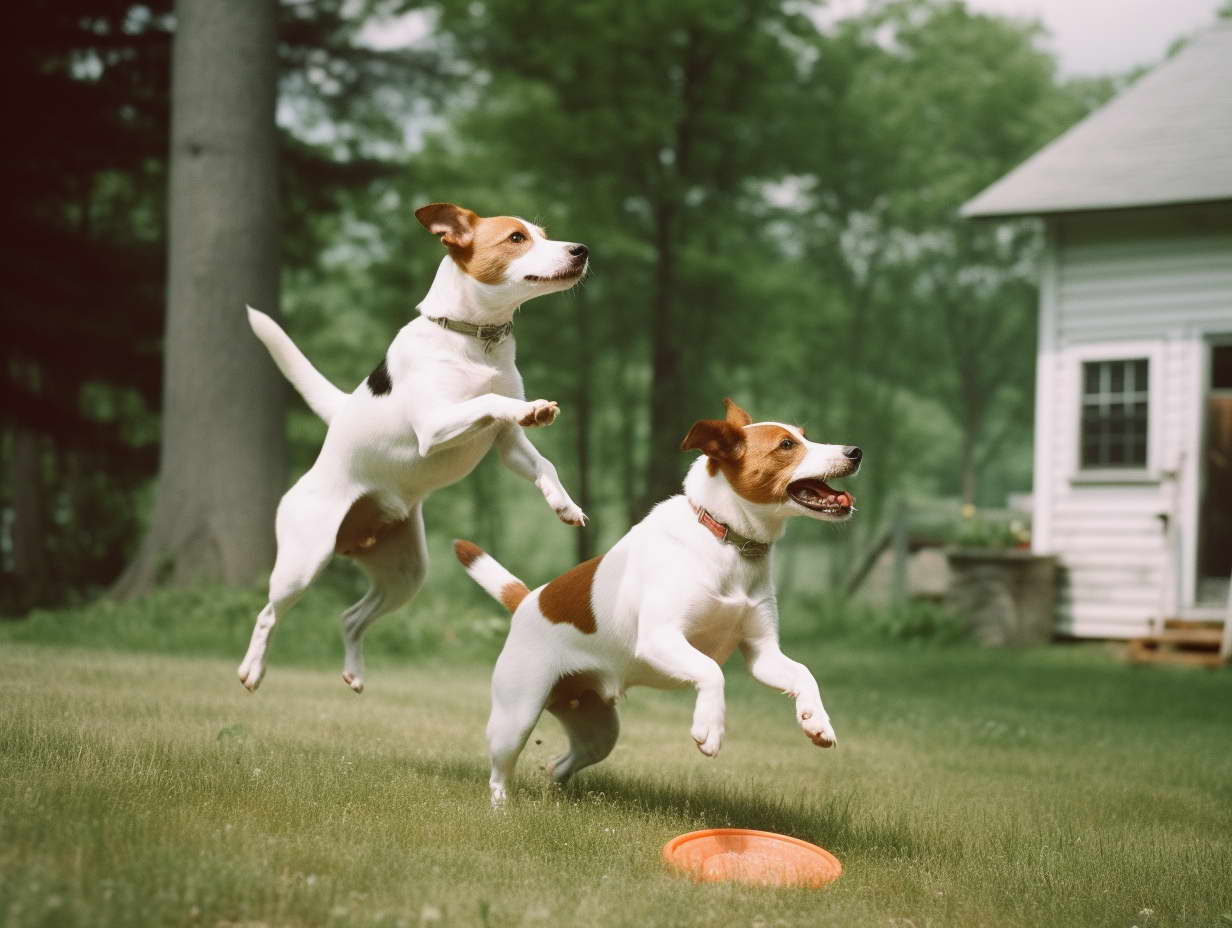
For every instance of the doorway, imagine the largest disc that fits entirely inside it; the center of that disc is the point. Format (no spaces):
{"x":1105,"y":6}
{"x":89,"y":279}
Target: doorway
{"x":1215,"y":475}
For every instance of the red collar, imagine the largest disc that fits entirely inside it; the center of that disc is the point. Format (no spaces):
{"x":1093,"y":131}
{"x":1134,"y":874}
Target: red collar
{"x":747,"y":547}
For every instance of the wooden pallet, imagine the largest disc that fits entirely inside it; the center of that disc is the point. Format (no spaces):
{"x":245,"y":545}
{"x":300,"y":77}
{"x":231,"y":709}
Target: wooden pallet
{"x":1196,"y":644}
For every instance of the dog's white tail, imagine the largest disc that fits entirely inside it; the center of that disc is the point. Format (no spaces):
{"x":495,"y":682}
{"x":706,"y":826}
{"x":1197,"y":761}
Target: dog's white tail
{"x":319,"y":393}
{"x":485,"y":570}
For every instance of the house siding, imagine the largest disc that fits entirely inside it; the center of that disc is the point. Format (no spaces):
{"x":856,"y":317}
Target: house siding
{"x":1136,"y":284}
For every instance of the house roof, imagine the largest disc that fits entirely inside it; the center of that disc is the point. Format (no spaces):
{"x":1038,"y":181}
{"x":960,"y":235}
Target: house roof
{"x":1167,"y":139}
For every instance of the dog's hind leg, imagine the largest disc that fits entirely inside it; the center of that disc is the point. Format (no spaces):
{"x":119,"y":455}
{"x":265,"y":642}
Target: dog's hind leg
{"x":592,"y":725}
{"x":396,"y":565}
{"x":521,"y":687}
{"x":306,"y":527}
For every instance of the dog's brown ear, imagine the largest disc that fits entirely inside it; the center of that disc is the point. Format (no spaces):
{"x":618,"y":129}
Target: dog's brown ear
{"x":715,"y":438}
{"x":735,"y":415}
{"x":454,"y":224}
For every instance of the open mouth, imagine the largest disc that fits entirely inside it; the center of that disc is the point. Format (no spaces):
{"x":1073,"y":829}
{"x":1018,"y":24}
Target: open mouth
{"x":819,"y":496}
{"x":568,"y":274}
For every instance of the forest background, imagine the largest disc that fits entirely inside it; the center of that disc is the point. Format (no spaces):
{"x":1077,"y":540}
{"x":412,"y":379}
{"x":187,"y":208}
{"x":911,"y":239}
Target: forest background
{"x":770,"y":197}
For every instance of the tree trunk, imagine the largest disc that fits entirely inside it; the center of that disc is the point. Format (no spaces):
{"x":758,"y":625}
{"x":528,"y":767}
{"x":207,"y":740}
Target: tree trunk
{"x":223,"y":454}
{"x":967,"y":469}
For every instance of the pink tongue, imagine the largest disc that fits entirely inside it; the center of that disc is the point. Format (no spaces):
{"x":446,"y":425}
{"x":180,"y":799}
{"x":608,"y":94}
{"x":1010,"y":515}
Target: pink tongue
{"x":844,"y":499}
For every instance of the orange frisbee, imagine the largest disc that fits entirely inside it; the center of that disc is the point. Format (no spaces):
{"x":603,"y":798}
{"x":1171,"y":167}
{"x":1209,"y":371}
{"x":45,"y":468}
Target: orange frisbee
{"x":742,"y":855}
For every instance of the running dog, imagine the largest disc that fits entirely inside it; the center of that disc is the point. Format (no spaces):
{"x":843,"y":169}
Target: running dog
{"x":669,"y":603}
{"x":445,"y":393}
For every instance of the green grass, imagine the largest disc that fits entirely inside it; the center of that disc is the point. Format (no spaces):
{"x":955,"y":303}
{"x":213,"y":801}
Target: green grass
{"x":1047,"y":787}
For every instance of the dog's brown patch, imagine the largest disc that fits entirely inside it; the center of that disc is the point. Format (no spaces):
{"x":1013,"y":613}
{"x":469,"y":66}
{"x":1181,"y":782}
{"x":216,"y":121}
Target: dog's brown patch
{"x":567,"y":599}
{"x":761,"y":473}
{"x":363,"y":526}
{"x":467,"y":551}
{"x":512,"y":594}
{"x":752,"y":458}
{"x":492,"y":249}
{"x":481,"y":246}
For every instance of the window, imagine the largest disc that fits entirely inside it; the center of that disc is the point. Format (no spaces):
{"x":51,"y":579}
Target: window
{"x":1114,"y":413}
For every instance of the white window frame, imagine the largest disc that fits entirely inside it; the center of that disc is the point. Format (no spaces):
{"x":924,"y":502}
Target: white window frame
{"x":1153,"y":353}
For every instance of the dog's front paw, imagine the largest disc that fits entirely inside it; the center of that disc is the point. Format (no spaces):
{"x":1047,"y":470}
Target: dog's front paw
{"x":251,"y":671}
{"x":538,"y":413}
{"x":708,"y":735}
{"x":816,"y":725}
{"x":570,"y":514}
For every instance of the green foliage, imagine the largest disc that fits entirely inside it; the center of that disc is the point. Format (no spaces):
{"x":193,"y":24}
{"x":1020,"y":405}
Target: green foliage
{"x":976,"y":530}
{"x":85,"y":281}
{"x":449,"y":620}
{"x":821,"y":618}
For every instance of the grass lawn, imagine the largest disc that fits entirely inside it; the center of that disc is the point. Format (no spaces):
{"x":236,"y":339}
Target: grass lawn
{"x":1048,"y":787}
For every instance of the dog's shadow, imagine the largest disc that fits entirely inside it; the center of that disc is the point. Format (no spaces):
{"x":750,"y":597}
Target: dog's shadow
{"x":829,"y":820}
{"x":834,"y":821}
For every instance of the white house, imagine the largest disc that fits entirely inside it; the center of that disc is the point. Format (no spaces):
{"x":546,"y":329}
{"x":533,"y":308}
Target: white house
{"x":1133,"y":422}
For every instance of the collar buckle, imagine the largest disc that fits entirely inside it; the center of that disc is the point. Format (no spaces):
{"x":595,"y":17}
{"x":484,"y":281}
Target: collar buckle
{"x":747,"y":547}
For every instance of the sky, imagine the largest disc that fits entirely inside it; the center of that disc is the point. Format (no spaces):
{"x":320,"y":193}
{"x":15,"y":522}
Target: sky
{"x":1089,"y":36}
{"x":1098,"y":36}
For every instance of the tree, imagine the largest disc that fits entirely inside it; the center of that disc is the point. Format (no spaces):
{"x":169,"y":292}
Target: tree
{"x":655,"y":126}
{"x":223,"y":461}
{"x":86,"y":281}
{"x":79,"y":359}
{"x":967,"y":97}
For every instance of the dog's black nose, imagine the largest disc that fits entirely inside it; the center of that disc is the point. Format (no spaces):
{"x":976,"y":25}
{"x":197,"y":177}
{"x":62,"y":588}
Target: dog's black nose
{"x":852,"y":453}
{"x":579,"y":251}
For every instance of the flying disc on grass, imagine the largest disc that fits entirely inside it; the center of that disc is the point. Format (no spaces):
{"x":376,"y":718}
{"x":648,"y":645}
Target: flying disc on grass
{"x":742,"y":855}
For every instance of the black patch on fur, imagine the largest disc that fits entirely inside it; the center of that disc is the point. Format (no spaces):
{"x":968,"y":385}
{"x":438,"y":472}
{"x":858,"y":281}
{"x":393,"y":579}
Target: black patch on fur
{"x":378,"y":381}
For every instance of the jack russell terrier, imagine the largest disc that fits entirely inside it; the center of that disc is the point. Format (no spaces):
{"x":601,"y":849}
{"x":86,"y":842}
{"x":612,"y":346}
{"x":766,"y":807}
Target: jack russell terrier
{"x":669,"y":603}
{"x":445,"y":393}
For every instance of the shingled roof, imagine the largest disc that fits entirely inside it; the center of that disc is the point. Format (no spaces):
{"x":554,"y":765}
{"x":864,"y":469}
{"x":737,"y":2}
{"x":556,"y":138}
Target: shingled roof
{"x":1166,"y":139}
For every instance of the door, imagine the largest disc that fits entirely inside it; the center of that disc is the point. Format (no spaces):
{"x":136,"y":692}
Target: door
{"x":1215,"y":481}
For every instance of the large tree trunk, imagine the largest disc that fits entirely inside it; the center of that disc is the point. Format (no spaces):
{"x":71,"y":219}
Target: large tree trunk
{"x":224,"y":460}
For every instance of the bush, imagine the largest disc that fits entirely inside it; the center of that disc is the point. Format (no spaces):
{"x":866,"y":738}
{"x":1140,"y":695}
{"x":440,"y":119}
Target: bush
{"x":918,"y":621}
{"x":450,"y":617}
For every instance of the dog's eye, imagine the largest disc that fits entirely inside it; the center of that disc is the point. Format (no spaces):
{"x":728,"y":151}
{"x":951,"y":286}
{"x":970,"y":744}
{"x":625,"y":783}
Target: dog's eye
{"x":517,"y":237}
{"x":786,"y":444}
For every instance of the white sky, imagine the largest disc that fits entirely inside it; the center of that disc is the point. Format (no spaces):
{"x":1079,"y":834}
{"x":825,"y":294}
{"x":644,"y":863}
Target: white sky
{"x":1102,"y":36}
{"x":1097,"y":36}
{"x":1089,"y":36}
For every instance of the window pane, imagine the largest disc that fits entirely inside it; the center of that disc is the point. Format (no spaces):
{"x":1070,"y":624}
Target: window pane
{"x":1142,"y":379}
{"x":1117,"y":373}
{"x":1115,"y":454}
{"x":1090,"y":378}
{"x":1137,"y":455}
